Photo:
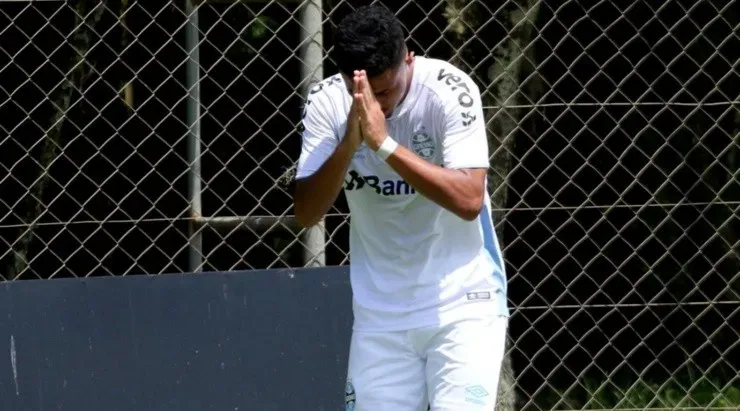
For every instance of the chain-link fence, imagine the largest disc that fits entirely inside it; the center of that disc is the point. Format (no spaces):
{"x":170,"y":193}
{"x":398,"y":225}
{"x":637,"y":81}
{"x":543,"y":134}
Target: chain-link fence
{"x":142,"y":138}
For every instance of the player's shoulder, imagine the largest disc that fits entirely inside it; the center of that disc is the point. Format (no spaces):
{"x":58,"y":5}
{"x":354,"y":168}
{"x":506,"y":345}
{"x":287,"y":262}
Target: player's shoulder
{"x":329,"y":88}
{"x":445,"y":81}
{"x":324,"y":97}
{"x":441,"y":76}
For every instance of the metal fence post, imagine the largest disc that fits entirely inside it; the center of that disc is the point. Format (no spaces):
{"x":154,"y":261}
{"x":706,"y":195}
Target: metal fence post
{"x":313,"y":238}
{"x":195,"y":248}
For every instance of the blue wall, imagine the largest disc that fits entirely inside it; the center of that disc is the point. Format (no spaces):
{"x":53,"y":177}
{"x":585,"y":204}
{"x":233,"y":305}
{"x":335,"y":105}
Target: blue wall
{"x":253,"y":340}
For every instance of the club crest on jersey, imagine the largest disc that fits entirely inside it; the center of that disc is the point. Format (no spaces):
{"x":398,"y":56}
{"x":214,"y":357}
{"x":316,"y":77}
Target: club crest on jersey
{"x":423,"y":145}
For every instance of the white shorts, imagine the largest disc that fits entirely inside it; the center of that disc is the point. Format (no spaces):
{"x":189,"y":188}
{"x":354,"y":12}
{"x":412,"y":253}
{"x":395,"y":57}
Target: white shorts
{"x":453,"y":367}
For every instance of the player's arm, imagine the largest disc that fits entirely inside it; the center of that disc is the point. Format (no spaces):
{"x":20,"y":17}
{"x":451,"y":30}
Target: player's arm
{"x":322,"y":164}
{"x":459,"y":186}
{"x":460,"y":191}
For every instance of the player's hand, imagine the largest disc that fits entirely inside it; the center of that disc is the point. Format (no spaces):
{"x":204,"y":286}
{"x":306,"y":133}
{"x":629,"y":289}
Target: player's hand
{"x":354,"y":132}
{"x":372,"y":119}
{"x":353,"y":135}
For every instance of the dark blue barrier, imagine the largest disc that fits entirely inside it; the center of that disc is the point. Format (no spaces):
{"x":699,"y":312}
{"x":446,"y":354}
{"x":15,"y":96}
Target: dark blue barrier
{"x":254,"y":340}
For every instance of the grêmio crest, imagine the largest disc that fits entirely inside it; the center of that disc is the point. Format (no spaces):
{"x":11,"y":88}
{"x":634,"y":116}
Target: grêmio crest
{"x":423,"y":145}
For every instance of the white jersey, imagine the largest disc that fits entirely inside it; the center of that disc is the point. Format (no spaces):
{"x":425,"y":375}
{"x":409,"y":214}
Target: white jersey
{"x":412,"y":262}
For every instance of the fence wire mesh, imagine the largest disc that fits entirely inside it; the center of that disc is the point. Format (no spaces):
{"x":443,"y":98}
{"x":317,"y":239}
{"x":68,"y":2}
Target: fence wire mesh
{"x":152,"y":138}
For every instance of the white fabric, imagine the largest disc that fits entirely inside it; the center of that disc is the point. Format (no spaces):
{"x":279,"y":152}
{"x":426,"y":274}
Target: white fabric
{"x":455,"y":367}
{"x":412,"y":263}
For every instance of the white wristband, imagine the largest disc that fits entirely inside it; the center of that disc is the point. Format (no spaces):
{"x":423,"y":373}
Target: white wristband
{"x":385,"y":149}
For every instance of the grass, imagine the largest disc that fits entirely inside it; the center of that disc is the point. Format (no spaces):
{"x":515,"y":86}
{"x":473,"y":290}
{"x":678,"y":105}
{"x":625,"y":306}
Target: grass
{"x":704,"y":394}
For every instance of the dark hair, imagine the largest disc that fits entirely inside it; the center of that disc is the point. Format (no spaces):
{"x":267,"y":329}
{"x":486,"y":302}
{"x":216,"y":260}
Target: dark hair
{"x":370,"y":38}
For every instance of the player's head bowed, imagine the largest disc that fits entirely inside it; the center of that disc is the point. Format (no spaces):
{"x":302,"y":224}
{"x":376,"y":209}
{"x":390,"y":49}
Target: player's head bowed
{"x":372,"y":39}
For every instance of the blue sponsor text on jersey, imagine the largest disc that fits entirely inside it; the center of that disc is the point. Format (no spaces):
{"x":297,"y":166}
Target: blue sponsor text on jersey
{"x":382,"y":187}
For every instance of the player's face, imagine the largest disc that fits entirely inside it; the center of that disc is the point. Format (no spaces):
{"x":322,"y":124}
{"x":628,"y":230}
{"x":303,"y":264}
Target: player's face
{"x":390,"y":86}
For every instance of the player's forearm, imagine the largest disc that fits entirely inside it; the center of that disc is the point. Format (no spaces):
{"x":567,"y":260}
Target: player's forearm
{"x":314,"y":195}
{"x":455,"y":190}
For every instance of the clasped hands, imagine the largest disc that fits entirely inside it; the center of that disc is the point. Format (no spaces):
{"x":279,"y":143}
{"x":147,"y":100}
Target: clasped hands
{"x":366,"y":118}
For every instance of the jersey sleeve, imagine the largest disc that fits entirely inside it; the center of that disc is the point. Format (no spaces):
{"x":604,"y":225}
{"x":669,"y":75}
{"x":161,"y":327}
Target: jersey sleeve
{"x":464,"y":141}
{"x":318,"y":138}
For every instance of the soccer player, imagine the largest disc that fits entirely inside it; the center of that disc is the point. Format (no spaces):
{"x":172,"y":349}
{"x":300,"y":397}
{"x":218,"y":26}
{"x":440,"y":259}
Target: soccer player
{"x":404,"y":136}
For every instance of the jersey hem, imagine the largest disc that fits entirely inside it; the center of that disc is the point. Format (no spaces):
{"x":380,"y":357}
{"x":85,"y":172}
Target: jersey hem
{"x":462,"y":310}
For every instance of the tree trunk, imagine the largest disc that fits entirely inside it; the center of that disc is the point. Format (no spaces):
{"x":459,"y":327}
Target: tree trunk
{"x":127,"y":88}
{"x":76,"y":76}
{"x":513,"y":62}
{"x":515,"y":59}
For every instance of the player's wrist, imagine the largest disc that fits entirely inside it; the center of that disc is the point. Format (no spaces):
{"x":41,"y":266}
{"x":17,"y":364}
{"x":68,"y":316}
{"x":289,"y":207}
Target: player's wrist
{"x":387,"y":146}
{"x":352,"y":142}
